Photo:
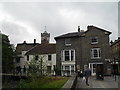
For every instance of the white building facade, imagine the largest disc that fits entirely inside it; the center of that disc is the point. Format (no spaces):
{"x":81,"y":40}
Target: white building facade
{"x":26,"y":52}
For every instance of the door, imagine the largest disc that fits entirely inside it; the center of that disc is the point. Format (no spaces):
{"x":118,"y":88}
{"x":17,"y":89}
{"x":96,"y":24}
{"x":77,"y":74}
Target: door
{"x":99,"y":71}
{"x":95,"y":67}
{"x":92,"y":66}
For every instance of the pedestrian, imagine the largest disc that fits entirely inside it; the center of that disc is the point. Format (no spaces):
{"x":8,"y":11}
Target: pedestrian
{"x":81,"y":74}
{"x":87,"y":74}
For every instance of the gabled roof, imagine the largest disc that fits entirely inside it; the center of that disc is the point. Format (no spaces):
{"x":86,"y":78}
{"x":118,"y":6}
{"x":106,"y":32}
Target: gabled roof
{"x":116,"y":41}
{"x":44,"y":48}
{"x":24,"y":47}
{"x":73,"y":34}
{"x":77,"y":34}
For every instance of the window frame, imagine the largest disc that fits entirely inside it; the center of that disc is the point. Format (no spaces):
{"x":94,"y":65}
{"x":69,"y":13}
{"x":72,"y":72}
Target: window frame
{"x":94,"y":40}
{"x":92,"y":51}
{"x":67,"y":41}
{"x":49,"y":57}
{"x":70,"y":55}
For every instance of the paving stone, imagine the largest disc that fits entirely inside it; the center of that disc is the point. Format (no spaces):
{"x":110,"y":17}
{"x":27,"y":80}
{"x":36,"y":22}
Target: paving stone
{"x":108,"y":82}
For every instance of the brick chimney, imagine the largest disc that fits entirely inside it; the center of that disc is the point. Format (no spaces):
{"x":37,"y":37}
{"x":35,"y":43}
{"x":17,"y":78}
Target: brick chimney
{"x":90,"y":27}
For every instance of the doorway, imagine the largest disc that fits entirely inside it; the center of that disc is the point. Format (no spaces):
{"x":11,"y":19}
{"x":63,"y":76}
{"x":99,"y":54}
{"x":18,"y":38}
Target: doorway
{"x":95,"y":68}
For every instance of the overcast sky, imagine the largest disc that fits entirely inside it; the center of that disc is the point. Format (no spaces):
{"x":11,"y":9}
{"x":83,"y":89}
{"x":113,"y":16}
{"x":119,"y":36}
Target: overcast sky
{"x":27,"y":20}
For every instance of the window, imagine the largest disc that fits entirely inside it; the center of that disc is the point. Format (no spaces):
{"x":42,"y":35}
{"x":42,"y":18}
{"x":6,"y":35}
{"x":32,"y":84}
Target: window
{"x":18,"y":60}
{"x":67,"y":41}
{"x":36,"y":57}
{"x":49,"y":57}
{"x":68,"y":55}
{"x":27,"y":57}
{"x":95,"y":53}
{"x":94,"y":40}
{"x":67,"y":68}
{"x":72,"y":55}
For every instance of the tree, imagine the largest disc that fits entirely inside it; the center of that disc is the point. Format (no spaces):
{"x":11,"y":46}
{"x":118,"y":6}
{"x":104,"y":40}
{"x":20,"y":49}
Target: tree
{"x":7,"y":55}
{"x":37,"y":67}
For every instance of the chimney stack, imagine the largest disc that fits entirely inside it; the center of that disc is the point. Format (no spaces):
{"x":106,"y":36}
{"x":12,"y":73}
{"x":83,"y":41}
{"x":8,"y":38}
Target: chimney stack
{"x":90,"y":27}
{"x":118,"y":38}
{"x":24,"y":42}
{"x":34,"y":41}
{"x":78,"y":28}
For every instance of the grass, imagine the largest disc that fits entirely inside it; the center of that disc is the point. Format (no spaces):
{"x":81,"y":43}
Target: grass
{"x":44,"y":82}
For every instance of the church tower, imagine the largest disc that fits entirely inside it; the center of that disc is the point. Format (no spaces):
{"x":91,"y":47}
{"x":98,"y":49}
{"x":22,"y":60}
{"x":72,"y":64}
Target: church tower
{"x":45,"y":37}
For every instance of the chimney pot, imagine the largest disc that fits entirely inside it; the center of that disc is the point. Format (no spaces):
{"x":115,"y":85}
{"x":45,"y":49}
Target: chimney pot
{"x":78,"y":28}
{"x":34,"y":41}
{"x":24,"y":42}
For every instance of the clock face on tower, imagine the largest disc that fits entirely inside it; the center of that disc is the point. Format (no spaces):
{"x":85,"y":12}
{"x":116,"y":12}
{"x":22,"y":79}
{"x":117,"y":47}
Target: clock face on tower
{"x":45,"y":37}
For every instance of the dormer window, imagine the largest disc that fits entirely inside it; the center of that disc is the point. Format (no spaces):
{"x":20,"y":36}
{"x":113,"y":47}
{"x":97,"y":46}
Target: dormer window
{"x":94,"y":40}
{"x":68,"y":42}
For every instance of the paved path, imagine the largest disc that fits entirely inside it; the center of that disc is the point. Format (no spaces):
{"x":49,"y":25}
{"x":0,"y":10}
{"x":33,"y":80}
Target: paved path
{"x":108,"y":82}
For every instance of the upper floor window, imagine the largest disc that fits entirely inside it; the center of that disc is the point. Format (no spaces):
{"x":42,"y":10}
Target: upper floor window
{"x":94,"y":40}
{"x":49,"y":57}
{"x":68,"y":55}
{"x":95,"y":53}
{"x":67,"y":41}
{"x":36,"y":57}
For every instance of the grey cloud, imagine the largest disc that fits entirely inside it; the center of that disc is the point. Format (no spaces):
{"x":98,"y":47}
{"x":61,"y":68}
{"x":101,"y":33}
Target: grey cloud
{"x":38,"y":14}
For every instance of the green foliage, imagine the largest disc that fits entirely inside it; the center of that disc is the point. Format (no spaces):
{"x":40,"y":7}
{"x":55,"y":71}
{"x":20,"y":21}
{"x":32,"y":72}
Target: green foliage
{"x":57,"y":71}
{"x":44,"y":82}
{"x":7,"y":54}
{"x":55,"y":84}
{"x":36,"y":67}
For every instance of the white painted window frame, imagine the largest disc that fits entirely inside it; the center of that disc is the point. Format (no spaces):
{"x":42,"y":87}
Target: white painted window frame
{"x":63,"y":68}
{"x":98,"y":53}
{"x":66,"y":42}
{"x":63,"y":54}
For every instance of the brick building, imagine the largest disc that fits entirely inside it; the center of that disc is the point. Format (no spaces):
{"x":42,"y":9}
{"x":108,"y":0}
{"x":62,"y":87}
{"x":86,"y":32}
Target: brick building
{"x":115,"y":55}
{"x":77,"y":49}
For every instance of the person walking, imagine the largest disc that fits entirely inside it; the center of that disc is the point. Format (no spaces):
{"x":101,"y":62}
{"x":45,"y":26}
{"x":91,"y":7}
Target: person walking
{"x":87,"y":74}
{"x":81,"y":74}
